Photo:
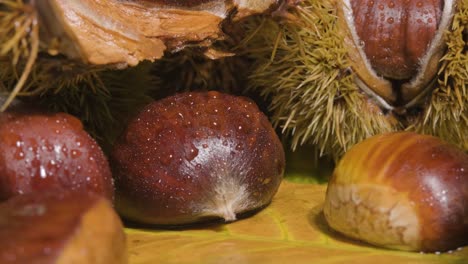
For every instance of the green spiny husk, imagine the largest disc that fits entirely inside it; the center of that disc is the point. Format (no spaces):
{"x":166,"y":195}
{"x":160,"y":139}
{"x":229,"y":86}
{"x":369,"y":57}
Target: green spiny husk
{"x":303,"y":67}
{"x":16,"y":22}
{"x":103,"y":99}
{"x":19,"y":43}
{"x":190,"y":69}
{"x":446,"y":114}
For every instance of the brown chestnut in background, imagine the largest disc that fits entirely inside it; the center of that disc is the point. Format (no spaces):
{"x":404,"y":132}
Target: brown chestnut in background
{"x":396,"y":34}
{"x":44,"y":151}
{"x":61,"y":227}
{"x":196,"y":156}
{"x":401,"y":191}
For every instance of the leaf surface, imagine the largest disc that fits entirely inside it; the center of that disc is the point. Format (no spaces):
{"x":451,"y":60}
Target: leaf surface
{"x":291,"y":230}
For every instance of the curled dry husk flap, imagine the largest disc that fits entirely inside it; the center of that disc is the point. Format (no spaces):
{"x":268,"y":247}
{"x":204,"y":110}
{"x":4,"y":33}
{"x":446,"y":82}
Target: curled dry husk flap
{"x":410,"y":91}
{"x":126,"y":32}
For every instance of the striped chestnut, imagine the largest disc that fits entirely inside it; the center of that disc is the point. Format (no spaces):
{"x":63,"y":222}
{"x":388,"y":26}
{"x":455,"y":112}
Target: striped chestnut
{"x":196,"y":156}
{"x":402,"y":191}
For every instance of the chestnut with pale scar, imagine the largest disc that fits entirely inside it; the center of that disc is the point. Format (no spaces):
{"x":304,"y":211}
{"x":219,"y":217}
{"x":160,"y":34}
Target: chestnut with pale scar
{"x":402,"y":191}
{"x":61,"y":227}
{"x":194,"y":157}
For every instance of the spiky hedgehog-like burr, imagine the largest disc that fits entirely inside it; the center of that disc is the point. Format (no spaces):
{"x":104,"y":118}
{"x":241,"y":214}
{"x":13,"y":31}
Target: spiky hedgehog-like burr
{"x":325,"y":66}
{"x":339,"y":71}
{"x":70,"y":54}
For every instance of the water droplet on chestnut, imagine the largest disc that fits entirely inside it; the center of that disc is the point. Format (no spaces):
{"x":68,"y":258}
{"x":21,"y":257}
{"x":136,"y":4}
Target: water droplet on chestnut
{"x":391,"y":191}
{"x":214,"y":179}
{"x":35,"y":158}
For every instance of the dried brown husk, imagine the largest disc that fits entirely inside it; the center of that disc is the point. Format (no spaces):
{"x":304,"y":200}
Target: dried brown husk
{"x":76,"y":68}
{"x":107,"y":34}
{"x":127,"y":32}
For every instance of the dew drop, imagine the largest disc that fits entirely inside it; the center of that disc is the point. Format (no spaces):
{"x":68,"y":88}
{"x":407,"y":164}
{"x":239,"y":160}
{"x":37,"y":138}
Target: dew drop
{"x":19,"y":155}
{"x":191,"y":154}
{"x":166,"y":159}
{"x":76,"y":153}
{"x":42,"y":172}
{"x":239,"y":147}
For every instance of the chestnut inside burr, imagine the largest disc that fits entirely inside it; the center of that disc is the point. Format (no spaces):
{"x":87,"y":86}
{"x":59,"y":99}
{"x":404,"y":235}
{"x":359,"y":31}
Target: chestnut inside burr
{"x":395,"y":36}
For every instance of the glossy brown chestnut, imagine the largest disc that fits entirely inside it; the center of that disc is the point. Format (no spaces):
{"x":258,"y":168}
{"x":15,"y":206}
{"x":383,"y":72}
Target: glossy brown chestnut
{"x":43,"y":151}
{"x":61,"y":227}
{"x":402,"y":191}
{"x":196,"y":156}
{"x":396,"y":34}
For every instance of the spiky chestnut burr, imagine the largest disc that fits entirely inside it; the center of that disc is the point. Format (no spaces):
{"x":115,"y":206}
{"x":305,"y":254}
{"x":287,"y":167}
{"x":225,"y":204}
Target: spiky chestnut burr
{"x":326,"y":69}
{"x":402,"y":191}
{"x":61,"y":227}
{"x":49,"y":151}
{"x":194,"y":157}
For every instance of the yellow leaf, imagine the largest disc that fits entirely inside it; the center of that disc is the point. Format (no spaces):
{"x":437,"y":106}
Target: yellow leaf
{"x":291,"y":230}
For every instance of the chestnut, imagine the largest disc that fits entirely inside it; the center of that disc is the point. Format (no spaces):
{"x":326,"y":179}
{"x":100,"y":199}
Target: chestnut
{"x":196,"y":156}
{"x":42,"y":151}
{"x":402,"y":191}
{"x":396,"y":34}
{"x":61,"y":227}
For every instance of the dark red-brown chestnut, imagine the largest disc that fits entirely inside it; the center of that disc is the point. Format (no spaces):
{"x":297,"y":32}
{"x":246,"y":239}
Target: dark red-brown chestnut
{"x":44,"y":151}
{"x":396,"y":34}
{"x":196,"y":156}
{"x":61,"y":227}
{"x":401,"y":191}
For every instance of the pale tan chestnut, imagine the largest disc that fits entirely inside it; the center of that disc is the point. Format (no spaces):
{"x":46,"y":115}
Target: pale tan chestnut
{"x":402,"y":191}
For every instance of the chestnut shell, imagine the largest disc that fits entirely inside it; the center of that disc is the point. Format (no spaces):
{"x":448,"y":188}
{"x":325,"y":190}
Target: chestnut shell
{"x":61,"y":227}
{"x":49,"y":151}
{"x":194,"y":157}
{"x":402,"y":191}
